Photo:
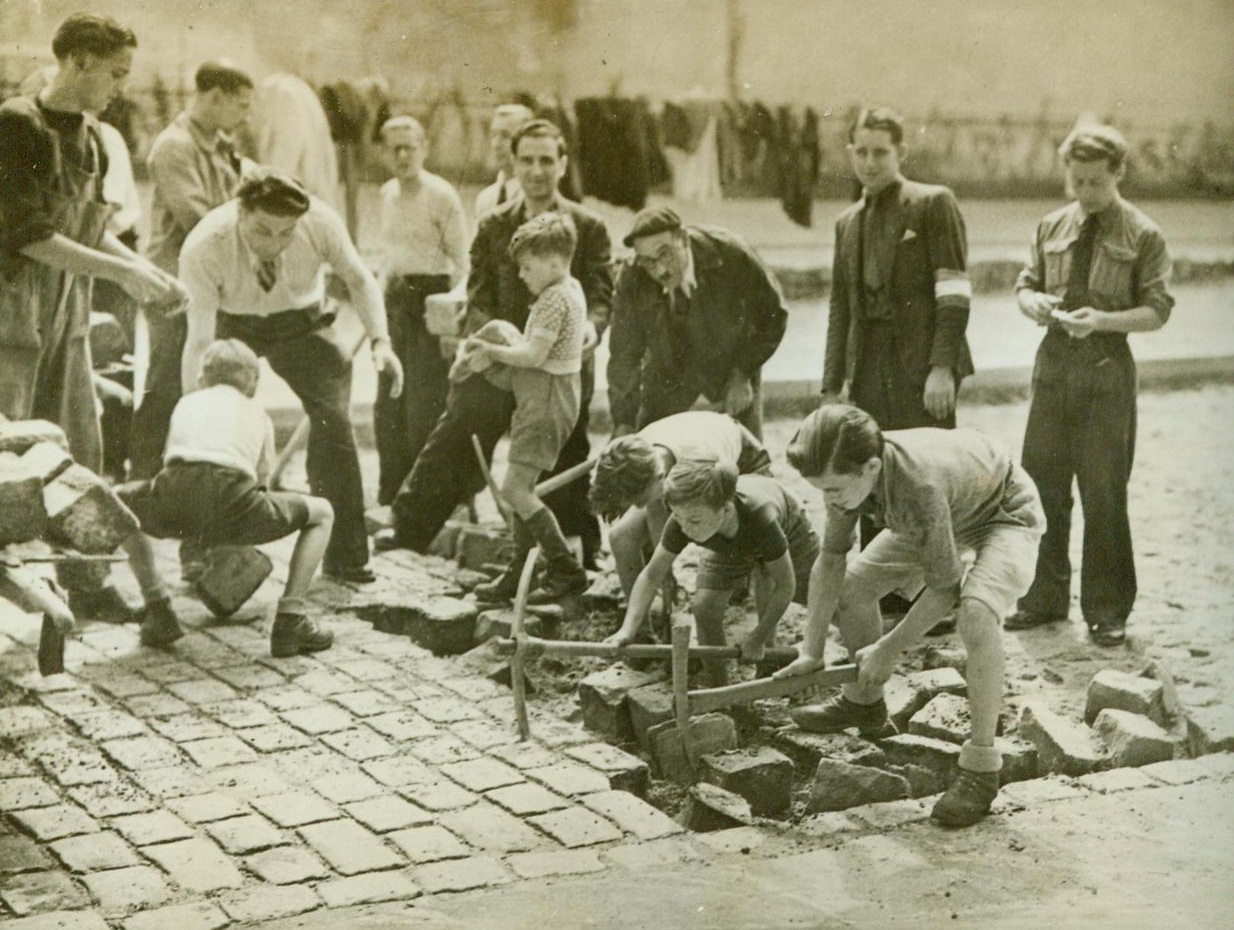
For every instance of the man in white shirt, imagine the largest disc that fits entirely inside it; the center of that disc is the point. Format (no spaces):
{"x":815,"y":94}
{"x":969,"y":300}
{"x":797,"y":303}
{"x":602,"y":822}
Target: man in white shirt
{"x":424,"y":251}
{"x":508,"y":119}
{"x":255,"y":271}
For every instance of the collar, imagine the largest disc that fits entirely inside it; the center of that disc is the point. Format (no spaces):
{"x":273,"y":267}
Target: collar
{"x":522,"y":206}
{"x":885,"y":197}
{"x":1105,"y":218}
{"x":689,"y":279}
{"x":215,"y":142}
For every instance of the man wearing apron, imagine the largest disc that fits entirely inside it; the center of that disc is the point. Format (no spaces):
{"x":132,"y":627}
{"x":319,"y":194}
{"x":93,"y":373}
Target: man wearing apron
{"x":53,"y":240}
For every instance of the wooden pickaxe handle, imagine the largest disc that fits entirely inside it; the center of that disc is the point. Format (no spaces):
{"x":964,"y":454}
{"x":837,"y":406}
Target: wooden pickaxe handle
{"x":761,"y":688}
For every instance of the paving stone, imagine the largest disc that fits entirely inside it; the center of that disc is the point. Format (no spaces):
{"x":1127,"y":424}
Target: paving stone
{"x":556,"y":733}
{"x":94,"y":851}
{"x":78,"y":765}
{"x":398,"y":771}
{"x":525,"y":755}
{"x":1062,"y":746}
{"x":21,"y":854}
{"x":246,"y":834}
{"x":524,"y":799}
{"x":121,"y":890}
{"x":839,"y":785}
{"x":632,"y":814}
{"x":367,"y":669}
{"x":1220,"y":764}
{"x":1132,"y":739}
{"x":367,"y":889}
{"x":20,"y":793}
{"x":286,"y":865}
{"x":1116,"y":780}
{"x":349,"y":847}
{"x":173,"y":782}
{"x":945,"y":717}
{"x":161,"y":704}
{"x":439,"y":795}
{"x":569,"y":778}
{"x":460,"y":875}
{"x":55,"y":822}
{"x":552,"y":864}
{"x":155,"y":827}
{"x":603,"y":698}
{"x":326,"y":682}
{"x":202,"y":915}
{"x":760,"y":774}
{"x":323,"y":718}
{"x":196,"y":865}
{"x":107,"y":725}
{"x":657,"y":854}
{"x":184,"y":728}
{"x":381,"y":815}
{"x":429,"y":844}
{"x":213,"y":753}
{"x":238,"y":715}
{"x":60,"y":920}
{"x":443,"y":625}
{"x":742,"y":840}
{"x":295,"y":808}
{"x":490,"y":829}
{"x":624,"y":771}
{"x":168,"y":672}
{"x":805,"y":749}
{"x":359,"y":745}
{"x":12,"y":766}
{"x":66,"y":702}
{"x":201,"y":691}
{"x":576,"y":827}
{"x":904,"y":698}
{"x":274,"y":737}
{"x":288,"y":697}
{"x":827,"y":824}
{"x":343,"y":789}
{"x":1117,"y":690}
{"x":1037,"y":791}
{"x":1210,"y":729}
{"x":368,"y":703}
{"x":1178,"y":772}
{"x":269,"y":903}
{"x":482,"y":774}
{"x":249,"y":781}
{"x":441,"y":750}
{"x":204,"y":808}
{"x":1019,"y":759}
{"x":36,"y":892}
{"x":888,"y":814}
{"x":401,"y":726}
{"x":144,"y":752}
{"x":250,"y":677}
{"x":710,"y":808}
{"x":709,"y":733}
{"x":937,"y":681}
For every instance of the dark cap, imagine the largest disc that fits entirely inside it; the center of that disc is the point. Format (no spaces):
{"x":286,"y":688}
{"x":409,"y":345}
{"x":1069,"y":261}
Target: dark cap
{"x":652,"y":220}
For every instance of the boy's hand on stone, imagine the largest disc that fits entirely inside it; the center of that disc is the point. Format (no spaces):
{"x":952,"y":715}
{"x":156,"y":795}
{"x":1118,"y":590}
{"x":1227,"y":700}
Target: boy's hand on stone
{"x":875,"y":664}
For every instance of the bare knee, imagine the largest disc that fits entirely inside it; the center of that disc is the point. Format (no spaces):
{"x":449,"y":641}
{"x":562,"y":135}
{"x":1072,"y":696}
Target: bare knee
{"x":978,"y":625}
{"x":320,"y":510}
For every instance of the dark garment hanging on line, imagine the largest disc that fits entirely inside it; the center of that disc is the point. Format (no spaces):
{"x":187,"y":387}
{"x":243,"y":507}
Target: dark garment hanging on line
{"x":614,"y":143}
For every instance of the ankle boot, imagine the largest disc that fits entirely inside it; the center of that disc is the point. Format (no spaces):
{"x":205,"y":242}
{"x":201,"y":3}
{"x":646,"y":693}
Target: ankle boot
{"x":504,"y":587}
{"x":563,"y":575}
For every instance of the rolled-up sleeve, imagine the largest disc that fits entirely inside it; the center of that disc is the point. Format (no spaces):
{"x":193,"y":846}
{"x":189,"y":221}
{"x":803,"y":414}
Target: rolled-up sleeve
{"x":1032,"y":275}
{"x":26,"y":159}
{"x":953,"y":292}
{"x":1153,"y":272}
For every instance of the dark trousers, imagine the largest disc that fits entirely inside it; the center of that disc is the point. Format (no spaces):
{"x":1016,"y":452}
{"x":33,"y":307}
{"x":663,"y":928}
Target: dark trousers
{"x":301,"y":348}
{"x":162,"y":392}
{"x":402,"y":424}
{"x":446,"y":474}
{"x":1081,"y":427}
{"x":672,"y":397}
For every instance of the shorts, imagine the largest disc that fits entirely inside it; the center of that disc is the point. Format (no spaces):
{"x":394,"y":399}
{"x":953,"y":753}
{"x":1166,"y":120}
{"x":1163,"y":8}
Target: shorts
{"x":1003,"y":562}
{"x":546,"y":410}
{"x":213,"y":506}
{"x":717,"y":572}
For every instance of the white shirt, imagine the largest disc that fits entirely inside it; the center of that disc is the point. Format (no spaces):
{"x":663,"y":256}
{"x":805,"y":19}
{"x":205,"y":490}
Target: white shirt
{"x":222,"y":426}
{"x":490,"y":197}
{"x":423,"y":232}
{"x":119,"y":188}
{"x":697,"y":434}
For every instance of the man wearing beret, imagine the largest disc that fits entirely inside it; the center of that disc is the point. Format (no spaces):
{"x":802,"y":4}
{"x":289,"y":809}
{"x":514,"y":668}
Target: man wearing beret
{"x":255,"y":271}
{"x":696,"y":314}
{"x":1099,"y":270}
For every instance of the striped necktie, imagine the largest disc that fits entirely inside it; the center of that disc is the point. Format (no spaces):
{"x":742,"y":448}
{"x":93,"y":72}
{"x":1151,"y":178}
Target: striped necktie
{"x":266,"y":274}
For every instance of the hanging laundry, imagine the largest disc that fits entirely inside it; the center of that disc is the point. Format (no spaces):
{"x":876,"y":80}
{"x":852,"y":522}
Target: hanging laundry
{"x":614,"y":149}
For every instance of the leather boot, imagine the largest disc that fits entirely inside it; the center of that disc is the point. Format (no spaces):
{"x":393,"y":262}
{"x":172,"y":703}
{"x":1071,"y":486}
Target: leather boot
{"x":563,"y":576}
{"x":296,"y":633}
{"x":504,"y":587}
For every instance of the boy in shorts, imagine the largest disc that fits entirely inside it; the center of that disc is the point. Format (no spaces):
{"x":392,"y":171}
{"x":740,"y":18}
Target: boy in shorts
{"x":750,"y":525}
{"x":938,"y":494}
{"x":544,"y":366}
{"x":210,"y":491}
{"x":627,"y":487}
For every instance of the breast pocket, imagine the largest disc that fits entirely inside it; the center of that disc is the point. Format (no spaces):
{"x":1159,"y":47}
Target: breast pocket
{"x":1113,"y":279}
{"x":1057,"y":265}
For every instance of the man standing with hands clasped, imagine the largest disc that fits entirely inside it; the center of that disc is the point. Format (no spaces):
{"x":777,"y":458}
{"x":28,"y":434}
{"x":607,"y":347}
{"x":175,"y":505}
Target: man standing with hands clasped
{"x":1099,"y":270}
{"x":255,"y":271}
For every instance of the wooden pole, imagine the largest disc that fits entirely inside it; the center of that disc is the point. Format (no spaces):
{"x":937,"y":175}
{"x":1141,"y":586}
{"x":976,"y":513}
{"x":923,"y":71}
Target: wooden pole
{"x":517,"y":664}
{"x":559,"y":647}
{"x":573,"y":473}
{"x":761,"y":688}
{"x":681,"y":690}
{"x":492,"y":485}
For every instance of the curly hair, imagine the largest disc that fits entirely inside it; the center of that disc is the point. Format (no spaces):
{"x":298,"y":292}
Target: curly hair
{"x":625,"y":470}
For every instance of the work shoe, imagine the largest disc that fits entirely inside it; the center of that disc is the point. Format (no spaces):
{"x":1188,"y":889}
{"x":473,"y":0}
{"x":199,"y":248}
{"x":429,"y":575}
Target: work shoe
{"x":387,"y":540}
{"x":103,"y":604}
{"x":1108,"y":631}
{"x":559,"y":583}
{"x":967,"y":800}
{"x":296,"y":633}
{"x":1027,"y":620}
{"x":352,"y":574}
{"x":502,"y":589}
{"x":839,"y":713}
{"x":159,"y":625}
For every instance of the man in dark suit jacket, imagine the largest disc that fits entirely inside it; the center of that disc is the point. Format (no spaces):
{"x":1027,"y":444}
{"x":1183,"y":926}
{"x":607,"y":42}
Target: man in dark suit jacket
{"x":696,"y":315}
{"x":900,"y":292}
{"x":446,"y":473}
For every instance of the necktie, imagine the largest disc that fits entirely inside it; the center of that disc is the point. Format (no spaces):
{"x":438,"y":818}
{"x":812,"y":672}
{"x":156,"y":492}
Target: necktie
{"x":266,"y":274}
{"x":1081,"y":264}
{"x":678,"y":324}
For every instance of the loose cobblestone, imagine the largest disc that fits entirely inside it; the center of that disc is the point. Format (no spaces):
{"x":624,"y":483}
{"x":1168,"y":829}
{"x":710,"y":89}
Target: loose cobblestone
{"x":367,"y":889}
{"x":349,"y":848}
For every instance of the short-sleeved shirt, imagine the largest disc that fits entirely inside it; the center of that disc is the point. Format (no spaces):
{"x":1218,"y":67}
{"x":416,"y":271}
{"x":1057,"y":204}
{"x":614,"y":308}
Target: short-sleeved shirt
{"x":764,"y":512}
{"x":938,"y":486}
{"x":559,"y":313}
{"x":711,"y":436}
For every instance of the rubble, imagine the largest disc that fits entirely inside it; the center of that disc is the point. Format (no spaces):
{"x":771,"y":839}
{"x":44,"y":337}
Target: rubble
{"x":1132,"y":739}
{"x":83,"y":512}
{"x":1062,"y":746}
{"x":709,"y":808}
{"x":838,"y":785}
{"x":230,"y":576}
{"x":602,"y":696}
{"x":760,"y":774}
{"x":1122,"y":691}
